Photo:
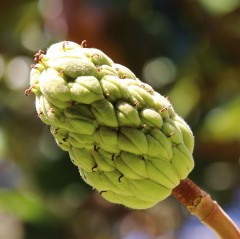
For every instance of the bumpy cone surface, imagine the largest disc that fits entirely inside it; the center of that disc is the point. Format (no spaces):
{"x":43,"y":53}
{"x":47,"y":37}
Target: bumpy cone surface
{"x":124,"y":137}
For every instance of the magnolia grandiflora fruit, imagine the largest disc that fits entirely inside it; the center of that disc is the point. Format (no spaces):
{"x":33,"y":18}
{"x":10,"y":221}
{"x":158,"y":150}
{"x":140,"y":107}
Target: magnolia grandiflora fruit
{"x":124,"y":137}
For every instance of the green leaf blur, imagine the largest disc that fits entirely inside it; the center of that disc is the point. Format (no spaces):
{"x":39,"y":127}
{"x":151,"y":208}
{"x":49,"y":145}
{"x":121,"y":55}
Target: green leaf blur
{"x":187,"y":50}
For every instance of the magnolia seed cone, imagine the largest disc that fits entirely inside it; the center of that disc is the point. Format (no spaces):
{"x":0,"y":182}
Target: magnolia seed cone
{"x":124,"y":137}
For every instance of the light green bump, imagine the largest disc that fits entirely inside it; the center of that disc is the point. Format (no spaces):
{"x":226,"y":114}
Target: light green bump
{"x":159,"y":145}
{"x":148,"y":190}
{"x":141,"y":95}
{"x":107,"y":139}
{"x":53,"y":85}
{"x":166,"y":169}
{"x":123,"y":72}
{"x":85,"y":90}
{"x":187,"y":134}
{"x":40,"y":108}
{"x":128,"y":201}
{"x":81,"y":140}
{"x":104,"y":163}
{"x":105,"y":70}
{"x":132,"y":140}
{"x":82,"y":158}
{"x":72,"y":67}
{"x":60,"y":47}
{"x":114,"y":88}
{"x":151,"y":117}
{"x":78,"y":111}
{"x":171,"y":130}
{"x":104,"y":113}
{"x":97,"y":57}
{"x":127,"y":115}
{"x":182,"y":162}
{"x":158,"y":176}
{"x":136,"y":163}
{"x":123,"y":167}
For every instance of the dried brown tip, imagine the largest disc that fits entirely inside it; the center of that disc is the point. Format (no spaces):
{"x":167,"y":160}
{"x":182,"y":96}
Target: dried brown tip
{"x":38,"y":56}
{"x":84,"y":44}
{"x":28,"y":91}
{"x":64,"y":45}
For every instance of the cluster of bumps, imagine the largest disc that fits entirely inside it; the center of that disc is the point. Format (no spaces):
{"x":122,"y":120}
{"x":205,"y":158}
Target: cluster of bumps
{"x":124,"y":137}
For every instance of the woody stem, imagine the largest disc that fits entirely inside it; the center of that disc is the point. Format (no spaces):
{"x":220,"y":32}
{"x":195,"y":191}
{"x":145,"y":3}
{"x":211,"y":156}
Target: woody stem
{"x":200,"y":204}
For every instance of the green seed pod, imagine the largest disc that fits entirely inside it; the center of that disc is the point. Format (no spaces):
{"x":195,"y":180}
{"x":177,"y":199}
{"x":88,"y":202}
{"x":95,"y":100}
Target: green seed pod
{"x":64,"y":47}
{"x":52,"y":85}
{"x":105,"y":70}
{"x":104,"y":113}
{"x":123,"y":72}
{"x":182,"y":161}
{"x":159,"y":145}
{"x":97,"y":57}
{"x":128,"y":201}
{"x":132,"y":140}
{"x":158,"y":176}
{"x":166,"y":168}
{"x":127,"y":114}
{"x":82,"y":158}
{"x":85,"y":89}
{"x":187,"y":134}
{"x":41,"y":111}
{"x":151,"y":118}
{"x":81,"y":140}
{"x":107,"y":139}
{"x":114,"y":88}
{"x":61,"y":137}
{"x":73,"y":67}
{"x":142,"y":96}
{"x":124,"y":168}
{"x":125,"y":138}
{"x":171,"y":130}
{"x":104,"y":163}
{"x":136,"y":163}
{"x":156,"y":192}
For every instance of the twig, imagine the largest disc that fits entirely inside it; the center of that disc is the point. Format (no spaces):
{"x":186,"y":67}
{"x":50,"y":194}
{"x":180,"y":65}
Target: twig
{"x":200,"y":204}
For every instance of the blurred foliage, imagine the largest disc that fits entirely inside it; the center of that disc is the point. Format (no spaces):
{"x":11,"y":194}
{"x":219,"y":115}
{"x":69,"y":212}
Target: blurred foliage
{"x":188,"y":50}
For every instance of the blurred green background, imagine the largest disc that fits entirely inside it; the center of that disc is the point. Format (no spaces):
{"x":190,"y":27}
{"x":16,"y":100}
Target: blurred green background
{"x":187,"y":50}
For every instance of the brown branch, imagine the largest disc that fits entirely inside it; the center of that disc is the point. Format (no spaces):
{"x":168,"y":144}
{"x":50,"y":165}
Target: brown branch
{"x":200,"y":204}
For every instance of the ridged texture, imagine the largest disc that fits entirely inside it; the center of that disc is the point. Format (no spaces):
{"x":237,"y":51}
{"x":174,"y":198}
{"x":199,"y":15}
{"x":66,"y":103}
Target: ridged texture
{"x":124,"y":137}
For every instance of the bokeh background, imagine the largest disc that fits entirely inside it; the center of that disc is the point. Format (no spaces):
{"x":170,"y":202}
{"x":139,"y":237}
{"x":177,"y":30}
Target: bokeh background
{"x":187,"y":50}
